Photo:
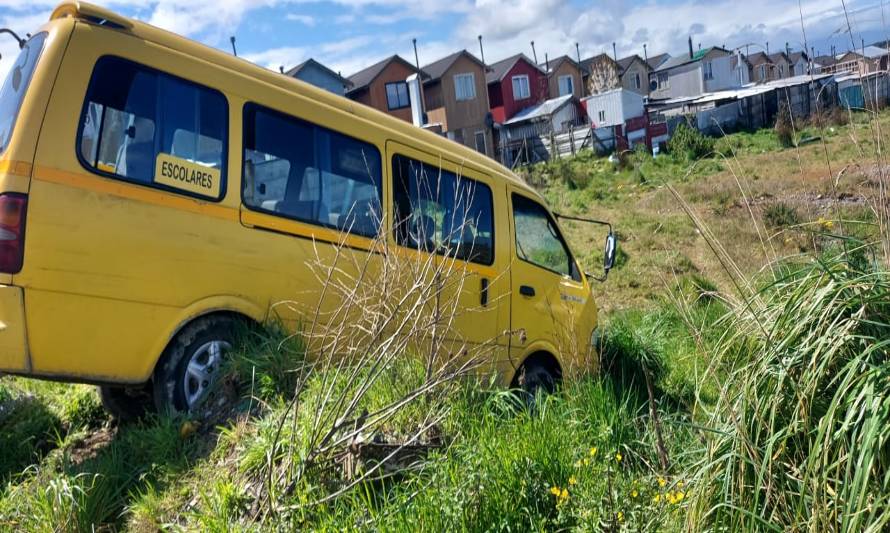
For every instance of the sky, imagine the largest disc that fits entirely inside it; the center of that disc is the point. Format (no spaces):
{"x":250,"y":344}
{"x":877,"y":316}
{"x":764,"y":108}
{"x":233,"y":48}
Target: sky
{"x":348,"y":35}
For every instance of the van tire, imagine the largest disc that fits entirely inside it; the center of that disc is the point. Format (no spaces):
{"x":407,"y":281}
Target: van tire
{"x":194,"y":343}
{"x":126,"y":404}
{"x":535,"y":376}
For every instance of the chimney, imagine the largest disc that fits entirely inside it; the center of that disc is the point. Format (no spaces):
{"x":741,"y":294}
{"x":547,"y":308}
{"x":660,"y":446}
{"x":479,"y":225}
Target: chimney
{"x":547,"y":61}
{"x":645,"y":53}
{"x":767,"y":48}
{"x":578,"y":52}
{"x":691,"y":52}
{"x":281,"y":68}
{"x":787,"y":49}
{"x":481,"y":50}
{"x":614,"y":51}
{"x":534,"y":54}
{"x":414,"y":96}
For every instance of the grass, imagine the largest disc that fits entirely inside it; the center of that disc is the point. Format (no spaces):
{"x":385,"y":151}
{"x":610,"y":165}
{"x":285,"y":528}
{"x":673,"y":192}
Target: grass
{"x":772,"y":403}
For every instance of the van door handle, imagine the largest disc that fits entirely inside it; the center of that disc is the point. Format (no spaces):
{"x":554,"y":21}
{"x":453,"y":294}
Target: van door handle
{"x":483,"y":297}
{"x":526,"y":290}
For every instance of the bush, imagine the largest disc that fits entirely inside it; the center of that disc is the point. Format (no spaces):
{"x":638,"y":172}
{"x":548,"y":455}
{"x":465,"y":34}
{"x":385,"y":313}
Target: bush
{"x":689,"y":143}
{"x":784,"y":127}
{"x":780,"y":215}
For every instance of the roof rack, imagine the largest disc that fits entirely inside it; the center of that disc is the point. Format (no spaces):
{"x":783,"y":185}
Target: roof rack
{"x":92,"y":14}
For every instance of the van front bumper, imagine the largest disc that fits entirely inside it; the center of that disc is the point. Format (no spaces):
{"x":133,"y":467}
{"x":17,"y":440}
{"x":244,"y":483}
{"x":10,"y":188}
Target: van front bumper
{"x":13,"y":338}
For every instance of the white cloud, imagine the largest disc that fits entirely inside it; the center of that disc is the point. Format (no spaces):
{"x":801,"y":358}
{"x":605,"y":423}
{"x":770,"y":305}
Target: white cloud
{"x":305,"y":20}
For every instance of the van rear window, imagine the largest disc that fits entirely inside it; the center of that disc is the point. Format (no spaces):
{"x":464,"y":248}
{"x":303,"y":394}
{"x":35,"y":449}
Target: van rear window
{"x":12,"y":94}
{"x":151,"y":128}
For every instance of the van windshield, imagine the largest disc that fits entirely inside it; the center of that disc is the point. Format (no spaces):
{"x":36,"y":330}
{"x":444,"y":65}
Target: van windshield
{"x":16,"y":84}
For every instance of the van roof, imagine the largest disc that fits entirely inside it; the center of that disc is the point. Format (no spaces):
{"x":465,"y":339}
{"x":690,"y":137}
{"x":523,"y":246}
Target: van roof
{"x":112,"y":21}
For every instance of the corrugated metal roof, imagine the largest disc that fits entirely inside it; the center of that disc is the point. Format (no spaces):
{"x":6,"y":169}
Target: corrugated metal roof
{"x":541,"y":110}
{"x":685,"y":59}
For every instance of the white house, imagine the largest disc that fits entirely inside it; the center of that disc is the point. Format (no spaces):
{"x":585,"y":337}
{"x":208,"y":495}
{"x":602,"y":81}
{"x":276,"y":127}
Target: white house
{"x":696,"y":73}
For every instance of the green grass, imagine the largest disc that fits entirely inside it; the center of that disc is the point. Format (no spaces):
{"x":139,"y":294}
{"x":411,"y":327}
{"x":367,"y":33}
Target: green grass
{"x":773,"y":407}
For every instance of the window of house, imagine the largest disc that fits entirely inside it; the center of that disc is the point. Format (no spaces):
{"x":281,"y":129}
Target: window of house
{"x":439,"y":211}
{"x":762,"y":71}
{"x":566,"y":85}
{"x":664,"y":81}
{"x":521,"y":89}
{"x":638,"y":82}
{"x":538,"y":240}
{"x":151,"y":128}
{"x":397,"y":95}
{"x":480,"y":142}
{"x":781,"y":71}
{"x":464,"y":87}
{"x":298,"y":170}
{"x":708,"y":70}
{"x":601,"y":115}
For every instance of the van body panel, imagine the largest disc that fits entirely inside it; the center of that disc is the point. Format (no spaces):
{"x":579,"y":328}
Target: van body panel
{"x":13,"y":339}
{"x":114,"y":269}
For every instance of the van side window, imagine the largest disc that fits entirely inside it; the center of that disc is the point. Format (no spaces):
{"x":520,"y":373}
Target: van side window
{"x":437,"y":210}
{"x":298,"y":170}
{"x":538,"y":240}
{"x":147,"y":127}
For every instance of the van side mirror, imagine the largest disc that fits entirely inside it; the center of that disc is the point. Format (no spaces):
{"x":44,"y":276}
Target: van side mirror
{"x":611,"y":250}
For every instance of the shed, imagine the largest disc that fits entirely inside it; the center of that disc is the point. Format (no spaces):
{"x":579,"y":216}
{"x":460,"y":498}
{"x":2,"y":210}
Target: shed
{"x":615,"y":107}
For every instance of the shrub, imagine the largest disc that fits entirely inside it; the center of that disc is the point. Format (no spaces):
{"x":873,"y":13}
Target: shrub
{"x":784,"y":127}
{"x":780,"y":215}
{"x":689,"y":143}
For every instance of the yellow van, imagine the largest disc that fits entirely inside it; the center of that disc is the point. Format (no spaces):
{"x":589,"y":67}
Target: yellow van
{"x":155,"y":192}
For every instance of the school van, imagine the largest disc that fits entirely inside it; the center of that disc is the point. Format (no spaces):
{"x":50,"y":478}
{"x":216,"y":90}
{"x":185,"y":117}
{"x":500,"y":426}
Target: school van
{"x":154,"y":193}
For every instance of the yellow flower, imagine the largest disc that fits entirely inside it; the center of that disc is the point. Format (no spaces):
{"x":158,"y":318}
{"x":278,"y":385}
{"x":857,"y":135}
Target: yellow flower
{"x":634,"y":493}
{"x":618,"y":456}
{"x":662,"y":482}
{"x":564,"y":495}
{"x":586,"y":461}
{"x":593,"y":451}
{"x":554,"y":491}
{"x":656,"y":498}
{"x":620,"y":516}
{"x":573,"y":480}
{"x":680,"y":484}
{"x":679,"y":496}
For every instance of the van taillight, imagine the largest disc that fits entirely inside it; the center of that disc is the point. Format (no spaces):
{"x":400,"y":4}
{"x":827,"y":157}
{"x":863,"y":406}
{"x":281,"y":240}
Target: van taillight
{"x":12,"y":231}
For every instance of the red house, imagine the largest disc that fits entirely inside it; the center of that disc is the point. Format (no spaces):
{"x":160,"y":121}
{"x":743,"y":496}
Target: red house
{"x":514,"y":84}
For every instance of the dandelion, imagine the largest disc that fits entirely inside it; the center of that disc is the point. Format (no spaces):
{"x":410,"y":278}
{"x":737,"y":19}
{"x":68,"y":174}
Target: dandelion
{"x":620,"y":516}
{"x":680,"y":484}
{"x":554,"y":491}
{"x":634,"y":493}
{"x":573,"y":480}
{"x":593,"y":451}
{"x":586,"y":461}
{"x":618,"y":456}
{"x":679,"y":497}
{"x":662,"y":482}
{"x":656,"y":498}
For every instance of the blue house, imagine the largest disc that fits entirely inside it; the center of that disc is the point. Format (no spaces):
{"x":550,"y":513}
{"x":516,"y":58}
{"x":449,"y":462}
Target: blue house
{"x":311,"y":71}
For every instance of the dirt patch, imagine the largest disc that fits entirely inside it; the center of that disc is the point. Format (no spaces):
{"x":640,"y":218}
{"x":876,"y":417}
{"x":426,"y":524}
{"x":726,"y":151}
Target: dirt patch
{"x":89,"y":447}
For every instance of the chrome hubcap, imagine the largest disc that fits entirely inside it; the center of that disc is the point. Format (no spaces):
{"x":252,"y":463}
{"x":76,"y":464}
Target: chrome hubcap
{"x":202,"y":370}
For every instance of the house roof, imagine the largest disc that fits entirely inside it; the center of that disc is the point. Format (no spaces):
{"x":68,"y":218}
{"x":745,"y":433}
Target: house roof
{"x":498,"y":70}
{"x":544,"y":109}
{"x":309,"y":62}
{"x":657,"y":61}
{"x":438,"y":68}
{"x":797,"y":56}
{"x":873,"y":52}
{"x":685,"y":59}
{"x":778,"y":56}
{"x":625,"y":62}
{"x":758,"y":58}
{"x":825,"y":60}
{"x":556,"y":62}
{"x":361,"y":79}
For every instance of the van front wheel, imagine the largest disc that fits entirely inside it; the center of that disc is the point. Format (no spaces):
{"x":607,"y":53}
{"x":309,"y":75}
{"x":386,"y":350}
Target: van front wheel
{"x":191,"y":364}
{"x":126,"y":403}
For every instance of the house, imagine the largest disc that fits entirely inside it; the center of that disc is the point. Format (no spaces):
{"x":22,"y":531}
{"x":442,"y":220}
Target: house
{"x":761,"y":67}
{"x":620,"y":119}
{"x":863,"y":61}
{"x":602,"y":74}
{"x":526,"y":136}
{"x":564,"y":76}
{"x":514,"y":84}
{"x":456,"y":97}
{"x":742,"y":68}
{"x":383,"y":86}
{"x":656,"y":61}
{"x":695,"y":73}
{"x":313,"y":72}
{"x":799,"y":63}
{"x":634,"y":74}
